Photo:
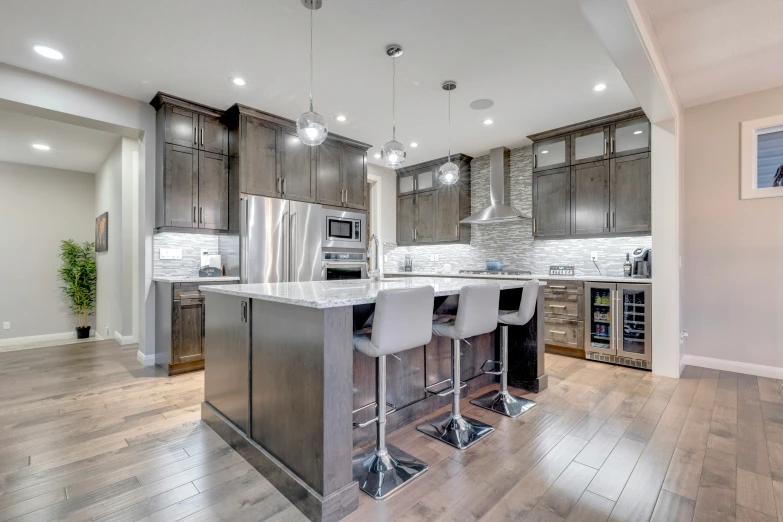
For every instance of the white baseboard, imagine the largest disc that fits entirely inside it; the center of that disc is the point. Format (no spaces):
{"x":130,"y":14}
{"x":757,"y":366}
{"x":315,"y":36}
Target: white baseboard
{"x":145,"y":360}
{"x":772,"y":372}
{"x":44,"y":341}
{"x":123,"y":339}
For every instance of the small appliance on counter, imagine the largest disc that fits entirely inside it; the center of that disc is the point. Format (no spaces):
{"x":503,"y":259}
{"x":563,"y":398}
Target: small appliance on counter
{"x":641,"y":264}
{"x":408,"y":263}
{"x":494,"y":265}
{"x":211,"y":265}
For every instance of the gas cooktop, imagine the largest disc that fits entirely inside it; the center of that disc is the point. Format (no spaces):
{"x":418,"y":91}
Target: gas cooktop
{"x":507,"y":271}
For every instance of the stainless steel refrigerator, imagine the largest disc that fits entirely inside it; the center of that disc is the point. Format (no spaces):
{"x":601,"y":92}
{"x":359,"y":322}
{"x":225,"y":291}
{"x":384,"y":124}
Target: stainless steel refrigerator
{"x":280,"y":240}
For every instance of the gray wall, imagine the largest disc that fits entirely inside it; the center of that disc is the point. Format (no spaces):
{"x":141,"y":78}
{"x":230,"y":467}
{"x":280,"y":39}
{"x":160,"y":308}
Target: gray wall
{"x":513,"y":242}
{"x":108,"y":198}
{"x":39,"y":207}
{"x":733,"y":248}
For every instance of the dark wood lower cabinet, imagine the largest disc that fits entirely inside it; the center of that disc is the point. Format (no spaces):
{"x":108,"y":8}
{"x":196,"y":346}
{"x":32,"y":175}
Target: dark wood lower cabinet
{"x":187,"y":329}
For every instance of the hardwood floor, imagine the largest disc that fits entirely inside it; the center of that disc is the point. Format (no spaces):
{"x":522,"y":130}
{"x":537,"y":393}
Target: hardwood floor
{"x":86,"y":433}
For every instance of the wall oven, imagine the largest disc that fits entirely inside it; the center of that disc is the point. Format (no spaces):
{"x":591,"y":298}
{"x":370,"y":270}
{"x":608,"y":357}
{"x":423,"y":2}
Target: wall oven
{"x":336,"y":266}
{"x":344,"y":229}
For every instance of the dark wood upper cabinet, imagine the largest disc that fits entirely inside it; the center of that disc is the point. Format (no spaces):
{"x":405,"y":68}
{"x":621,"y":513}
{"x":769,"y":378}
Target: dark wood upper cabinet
{"x":590,"y":198}
{"x":181,"y":126}
{"x":213,"y":191}
{"x":447,"y":221}
{"x":589,"y":145}
{"x":630,"y":137}
{"x":552,"y":153}
{"x":329,"y":177}
{"x":354,"y":177}
{"x":406,"y":219}
{"x":258,"y":152}
{"x":213,"y":135}
{"x":631,"y":194}
{"x":426,"y":211}
{"x":609,"y":191}
{"x":298,"y":178}
{"x":180,"y":187}
{"x":552,"y":203}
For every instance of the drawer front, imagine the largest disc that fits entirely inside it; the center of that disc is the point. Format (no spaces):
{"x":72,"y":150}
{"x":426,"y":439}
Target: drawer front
{"x":191,"y":291}
{"x":564,"y":333}
{"x":560,"y":288}
{"x":562,"y":308}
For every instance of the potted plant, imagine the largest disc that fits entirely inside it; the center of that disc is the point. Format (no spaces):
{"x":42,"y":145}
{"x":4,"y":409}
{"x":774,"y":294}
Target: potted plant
{"x":79,"y":276}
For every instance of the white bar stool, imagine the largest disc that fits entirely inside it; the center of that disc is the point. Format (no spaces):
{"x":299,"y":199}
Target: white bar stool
{"x":476,"y":315}
{"x":403,"y":320}
{"x":501,"y":401}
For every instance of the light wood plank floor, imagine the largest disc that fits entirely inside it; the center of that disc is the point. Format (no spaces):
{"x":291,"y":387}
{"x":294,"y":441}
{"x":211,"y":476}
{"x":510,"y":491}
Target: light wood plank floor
{"x":86,"y":433}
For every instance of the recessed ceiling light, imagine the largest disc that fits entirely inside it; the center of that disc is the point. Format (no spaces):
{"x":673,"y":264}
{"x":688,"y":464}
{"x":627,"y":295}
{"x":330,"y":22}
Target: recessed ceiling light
{"x":238,"y":81}
{"x":48,"y":52}
{"x":377,"y":156}
{"x":599,"y":87}
{"x":488,"y":122}
{"x":637,"y":132}
{"x":481,"y":104}
{"x":414,"y":144}
{"x":40,"y":146}
{"x":340,"y":117}
{"x":544,"y":152}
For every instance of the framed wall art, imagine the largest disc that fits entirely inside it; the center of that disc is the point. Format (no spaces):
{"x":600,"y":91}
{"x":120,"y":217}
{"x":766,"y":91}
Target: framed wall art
{"x":762,"y":158}
{"x":102,"y":232}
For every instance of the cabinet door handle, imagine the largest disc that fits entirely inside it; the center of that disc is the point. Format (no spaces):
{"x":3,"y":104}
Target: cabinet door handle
{"x":415,"y":234}
{"x":195,"y":135}
{"x":534,"y":226}
{"x":611,"y":148}
{"x":606,"y":147}
{"x":535,"y":160}
{"x":607,"y":220}
{"x":614,"y":220}
{"x":194,"y":214}
{"x":200,"y":214}
{"x":282,"y":186}
{"x":202,"y":136}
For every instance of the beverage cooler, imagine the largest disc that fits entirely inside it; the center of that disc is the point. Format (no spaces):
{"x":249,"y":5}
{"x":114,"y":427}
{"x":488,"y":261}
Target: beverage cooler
{"x":618,"y":323}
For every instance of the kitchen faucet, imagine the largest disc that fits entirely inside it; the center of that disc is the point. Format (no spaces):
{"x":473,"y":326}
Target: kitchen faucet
{"x":375,"y":273}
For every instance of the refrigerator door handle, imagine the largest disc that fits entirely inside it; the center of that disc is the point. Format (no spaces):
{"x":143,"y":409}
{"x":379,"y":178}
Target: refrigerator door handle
{"x":292,"y":242}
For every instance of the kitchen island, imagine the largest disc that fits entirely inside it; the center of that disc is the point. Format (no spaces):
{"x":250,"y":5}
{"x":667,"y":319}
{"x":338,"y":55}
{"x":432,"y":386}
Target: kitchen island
{"x":282,"y":380}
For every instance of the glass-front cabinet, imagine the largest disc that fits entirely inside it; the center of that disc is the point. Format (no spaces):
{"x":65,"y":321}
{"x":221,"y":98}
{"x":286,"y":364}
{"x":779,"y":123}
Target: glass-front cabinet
{"x":549,"y":154}
{"x":630,"y":137}
{"x":618,"y":323}
{"x":590,"y":145}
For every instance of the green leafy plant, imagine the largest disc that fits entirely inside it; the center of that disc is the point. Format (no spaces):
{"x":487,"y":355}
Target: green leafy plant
{"x":79,"y":276}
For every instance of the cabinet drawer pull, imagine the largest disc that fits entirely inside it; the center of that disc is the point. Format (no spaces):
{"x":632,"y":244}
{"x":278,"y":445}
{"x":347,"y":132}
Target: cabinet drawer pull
{"x":558,"y":332}
{"x":561,"y":287}
{"x":557,"y":306}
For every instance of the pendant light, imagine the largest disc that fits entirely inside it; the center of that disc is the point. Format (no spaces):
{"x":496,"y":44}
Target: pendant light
{"x":393,"y":152}
{"x":311,"y":126}
{"x":448,"y":173}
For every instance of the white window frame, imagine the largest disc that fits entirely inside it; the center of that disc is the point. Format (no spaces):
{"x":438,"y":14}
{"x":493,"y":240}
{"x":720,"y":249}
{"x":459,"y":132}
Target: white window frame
{"x":750,"y":130}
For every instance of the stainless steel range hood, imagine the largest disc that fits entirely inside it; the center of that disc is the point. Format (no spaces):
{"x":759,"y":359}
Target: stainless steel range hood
{"x":498,"y":211}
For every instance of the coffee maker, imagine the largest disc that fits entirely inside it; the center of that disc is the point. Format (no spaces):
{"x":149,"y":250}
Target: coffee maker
{"x":641,"y":264}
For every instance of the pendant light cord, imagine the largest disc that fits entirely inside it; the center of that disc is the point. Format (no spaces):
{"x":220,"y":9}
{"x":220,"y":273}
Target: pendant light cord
{"x":394,"y":98}
{"x":450,"y":125}
{"x":311,"y":60}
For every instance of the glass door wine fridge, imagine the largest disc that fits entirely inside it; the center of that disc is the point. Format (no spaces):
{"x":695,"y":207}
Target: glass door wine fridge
{"x":618,"y":323}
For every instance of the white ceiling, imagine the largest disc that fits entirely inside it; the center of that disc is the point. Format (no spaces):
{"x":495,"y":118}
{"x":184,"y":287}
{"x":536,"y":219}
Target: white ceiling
{"x":537,"y":59}
{"x":71,"y":147}
{"x":717,"y":49}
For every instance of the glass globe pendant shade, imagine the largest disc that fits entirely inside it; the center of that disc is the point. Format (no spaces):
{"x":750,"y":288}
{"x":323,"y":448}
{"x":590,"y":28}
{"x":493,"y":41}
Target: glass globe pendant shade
{"x":311,"y":128}
{"x":448,"y":173}
{"x":393,"y":153}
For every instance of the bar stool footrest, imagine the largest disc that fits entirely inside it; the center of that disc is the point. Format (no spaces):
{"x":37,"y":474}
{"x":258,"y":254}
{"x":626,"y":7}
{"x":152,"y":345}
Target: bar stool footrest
{"x":496,"y":364}
{"x":391,"y":409}
{"x":460,"y":432}
{"x":448,"y":391}
{"x":381,"y":475}
{"x":504,"y":403}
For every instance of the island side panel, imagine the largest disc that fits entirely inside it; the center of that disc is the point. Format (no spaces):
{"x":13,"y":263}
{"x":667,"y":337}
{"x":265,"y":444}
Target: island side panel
{"x":302,"y":363}
{"x":526,"y":351}
{"x":227,"y":357}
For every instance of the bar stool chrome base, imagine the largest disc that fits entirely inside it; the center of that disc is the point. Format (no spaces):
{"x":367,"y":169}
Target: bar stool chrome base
{"x":381,"y":475}
{"x":503,"y":403}
{"x":460,"y":432}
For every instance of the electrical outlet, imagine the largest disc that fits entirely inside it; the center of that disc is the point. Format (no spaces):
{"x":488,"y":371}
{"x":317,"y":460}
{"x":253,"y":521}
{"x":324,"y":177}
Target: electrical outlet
{"x":594,"y":256}
{"x":386,"y":258}
{"x":6,"y":326}
{"x":171,"y":253}
{"x":437,"y":257}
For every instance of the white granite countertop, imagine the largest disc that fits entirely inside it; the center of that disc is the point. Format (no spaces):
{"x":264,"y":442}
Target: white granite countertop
{"x":195,"y":279}
{"x":333,"y":294}
{"x":541,"y":277}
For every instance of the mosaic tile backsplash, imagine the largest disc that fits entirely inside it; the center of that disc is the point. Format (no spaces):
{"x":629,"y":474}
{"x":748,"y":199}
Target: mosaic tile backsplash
{"x":513,"y":243}
{"x":191,"y":245}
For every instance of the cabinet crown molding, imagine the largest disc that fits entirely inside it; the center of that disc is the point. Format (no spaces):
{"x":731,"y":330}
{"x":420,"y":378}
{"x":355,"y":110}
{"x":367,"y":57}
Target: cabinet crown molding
{"x":595,"y":122}
{"x":168,"y":99}
{"x":459,"y":159}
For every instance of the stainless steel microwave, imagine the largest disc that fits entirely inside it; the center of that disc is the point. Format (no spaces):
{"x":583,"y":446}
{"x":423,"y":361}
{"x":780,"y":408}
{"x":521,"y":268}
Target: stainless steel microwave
{"x":344,"y":229}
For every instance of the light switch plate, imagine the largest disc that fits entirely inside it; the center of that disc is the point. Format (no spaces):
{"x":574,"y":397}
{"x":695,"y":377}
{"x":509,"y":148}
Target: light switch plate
{"x":6,"y":326}
{"x":171,"y":253}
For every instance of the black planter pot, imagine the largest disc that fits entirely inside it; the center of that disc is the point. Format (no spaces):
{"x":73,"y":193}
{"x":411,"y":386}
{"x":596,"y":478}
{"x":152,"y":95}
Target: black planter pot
{"x":82,"y":332}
